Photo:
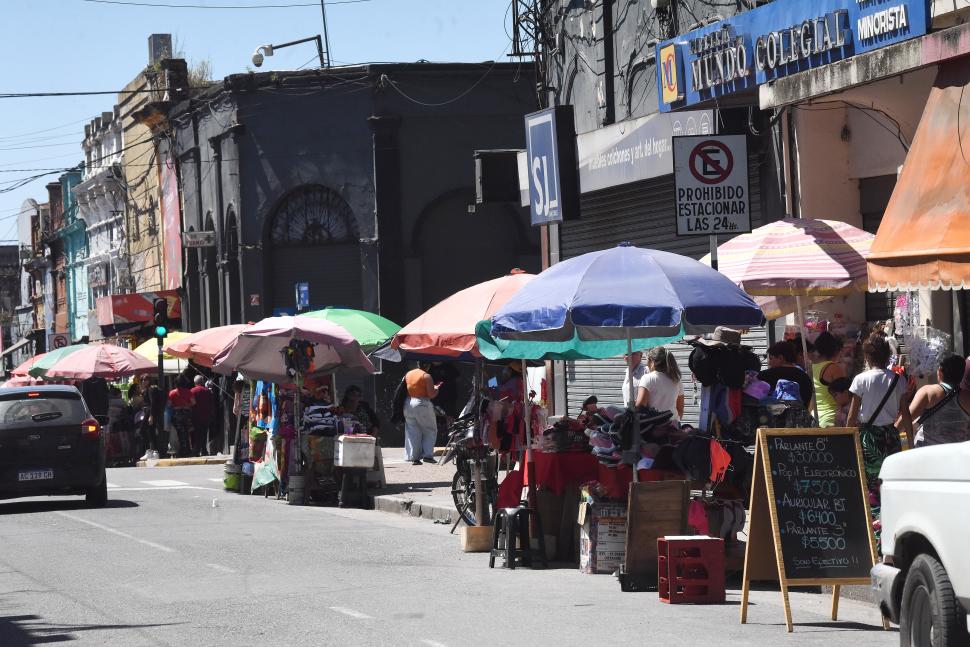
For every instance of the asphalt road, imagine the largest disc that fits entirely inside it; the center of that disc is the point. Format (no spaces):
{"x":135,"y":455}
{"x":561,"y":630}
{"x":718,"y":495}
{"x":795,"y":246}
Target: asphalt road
{"x":174,"y":560}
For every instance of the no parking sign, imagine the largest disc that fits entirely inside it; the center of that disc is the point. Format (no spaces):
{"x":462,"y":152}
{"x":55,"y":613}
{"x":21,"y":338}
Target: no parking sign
{"x":711,"y":174}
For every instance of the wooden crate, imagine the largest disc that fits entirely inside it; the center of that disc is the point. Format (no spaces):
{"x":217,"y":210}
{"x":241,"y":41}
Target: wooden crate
{"x":654,"y":509}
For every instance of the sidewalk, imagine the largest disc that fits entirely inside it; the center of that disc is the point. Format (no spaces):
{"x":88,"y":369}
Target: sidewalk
{"x":416,"y":490}
{"x":219,"y":459}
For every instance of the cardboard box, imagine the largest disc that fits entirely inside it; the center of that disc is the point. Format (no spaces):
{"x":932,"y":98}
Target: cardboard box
{"x":602,"y":532}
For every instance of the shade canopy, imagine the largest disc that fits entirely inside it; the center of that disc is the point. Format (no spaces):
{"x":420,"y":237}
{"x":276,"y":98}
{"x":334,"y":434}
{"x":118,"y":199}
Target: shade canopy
{"x":924,"y":237}
{"x":42,"y":364}
{"x":257,"y":351}
{"x":798,"y":257}
{"x":447,"y":330}
{"x":202,"y":347}
{"x":369,"y":329}
{"x":104,"y":360}
{"x":598,"y":304}
{"x":24,"y":367}
{"x":170,"y":364}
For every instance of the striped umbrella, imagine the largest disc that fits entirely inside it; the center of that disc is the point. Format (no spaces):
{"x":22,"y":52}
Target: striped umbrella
{"x":798,"y":258}
{"x":21,"y":371}
{"x":41,"y":366}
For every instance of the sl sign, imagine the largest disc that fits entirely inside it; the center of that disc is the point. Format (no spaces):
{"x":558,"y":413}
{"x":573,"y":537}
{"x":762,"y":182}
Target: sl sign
{"x":711,"y":174}
{"x":552,"y":166}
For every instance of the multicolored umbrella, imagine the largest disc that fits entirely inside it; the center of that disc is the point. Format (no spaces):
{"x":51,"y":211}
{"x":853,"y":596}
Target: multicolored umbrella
{"x":21,"y":370}
{"x":602,"y":304}
{"x":257,"y":352}
{"x":105,"y":360}
{"x":202,"y":347}
{"x":42,"y":364}
{"x":447,"y":330}
{"x":798,"y":257}
{"x":170,"y":365}
{"x":370,"y":330}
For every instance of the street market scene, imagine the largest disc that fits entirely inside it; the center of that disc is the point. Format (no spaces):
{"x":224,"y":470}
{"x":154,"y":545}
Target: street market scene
{"x":545,"y":323}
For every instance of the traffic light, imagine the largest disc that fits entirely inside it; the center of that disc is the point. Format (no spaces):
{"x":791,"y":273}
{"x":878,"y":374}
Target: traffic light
{"x":160,"y":318}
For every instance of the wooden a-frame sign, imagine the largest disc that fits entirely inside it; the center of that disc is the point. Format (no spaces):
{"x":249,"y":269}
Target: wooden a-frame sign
{"x":809,"y":514}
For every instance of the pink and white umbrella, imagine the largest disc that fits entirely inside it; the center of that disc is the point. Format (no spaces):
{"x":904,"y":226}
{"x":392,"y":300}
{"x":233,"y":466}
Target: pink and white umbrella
{"x":20,"y":380}
{"x":203,"y":346}
{"x":105,"y":360}
{"x":257,"y":352}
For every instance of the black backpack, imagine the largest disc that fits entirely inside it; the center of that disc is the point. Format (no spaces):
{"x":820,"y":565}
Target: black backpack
{"x":703,"y":363}
{"x":397,"y":404}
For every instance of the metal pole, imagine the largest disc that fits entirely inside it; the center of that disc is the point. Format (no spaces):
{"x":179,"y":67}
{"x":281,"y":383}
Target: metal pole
{"x":326,"y":36}
{"x":160,"y":420}
{"x":530,"y":460}
{"x":713,"y":241}
{"x":632,"y":406}
{"x":320,"y":52}
{"x":808,"y":360}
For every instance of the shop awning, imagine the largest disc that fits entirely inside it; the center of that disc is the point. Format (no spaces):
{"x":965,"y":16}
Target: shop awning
{"x":924,"y":238}
{"x":15,"y":347}
{"x":120,"y":312}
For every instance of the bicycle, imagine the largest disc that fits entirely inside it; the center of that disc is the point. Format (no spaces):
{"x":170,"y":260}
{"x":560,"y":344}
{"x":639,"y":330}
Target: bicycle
{"x":466,"y":449}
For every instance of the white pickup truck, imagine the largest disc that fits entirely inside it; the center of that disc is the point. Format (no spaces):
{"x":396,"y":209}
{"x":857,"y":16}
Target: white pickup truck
{"x":923,"y":582}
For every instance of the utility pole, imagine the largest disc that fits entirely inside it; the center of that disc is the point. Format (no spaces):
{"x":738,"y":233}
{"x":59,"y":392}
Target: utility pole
{"x":326,"y":37}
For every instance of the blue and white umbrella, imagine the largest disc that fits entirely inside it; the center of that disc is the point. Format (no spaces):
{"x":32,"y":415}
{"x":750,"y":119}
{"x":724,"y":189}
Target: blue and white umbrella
{"x":603,"y":303}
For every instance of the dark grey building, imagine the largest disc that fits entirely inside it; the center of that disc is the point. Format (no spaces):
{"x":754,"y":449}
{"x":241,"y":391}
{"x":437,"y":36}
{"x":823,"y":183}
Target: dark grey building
{"x":358,"y":181}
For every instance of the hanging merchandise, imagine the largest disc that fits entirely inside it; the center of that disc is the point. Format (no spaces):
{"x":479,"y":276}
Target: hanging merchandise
{"x":298,"y":357}
{"x":926,"y":346}
{"x":906,"y":314}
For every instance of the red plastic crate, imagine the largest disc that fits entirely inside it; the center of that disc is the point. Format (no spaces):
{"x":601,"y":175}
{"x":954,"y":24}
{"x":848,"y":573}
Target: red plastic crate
{"x":690,"y":570}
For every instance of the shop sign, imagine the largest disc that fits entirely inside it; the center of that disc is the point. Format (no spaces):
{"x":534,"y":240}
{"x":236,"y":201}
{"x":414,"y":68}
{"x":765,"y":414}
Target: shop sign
{"x":302,"y":295}
{"x":777,"y":39}
{"x":193,"y":239}
{"x":635,"y":150}
{"x":551,"y":157}
{"x":711,"y":174}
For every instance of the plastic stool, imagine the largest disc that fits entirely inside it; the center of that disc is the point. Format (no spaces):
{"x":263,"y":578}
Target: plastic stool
{"x":690,"y":570}
{"x":511,"y":537}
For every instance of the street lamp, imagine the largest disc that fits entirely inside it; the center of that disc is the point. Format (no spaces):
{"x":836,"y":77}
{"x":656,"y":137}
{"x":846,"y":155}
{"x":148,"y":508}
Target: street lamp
{"x":267,"y":50}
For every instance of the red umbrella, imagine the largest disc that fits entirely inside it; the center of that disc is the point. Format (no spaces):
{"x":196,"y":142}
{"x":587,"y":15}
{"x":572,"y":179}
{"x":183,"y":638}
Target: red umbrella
{"x":203,"y":346}
{"x":21,"y":370}
{"x":447,"y":330}
{"x":106,"y":360}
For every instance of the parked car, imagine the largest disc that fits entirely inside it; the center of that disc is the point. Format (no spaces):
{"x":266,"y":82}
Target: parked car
{"x":50,"y":444}
{"x":923,"y":582}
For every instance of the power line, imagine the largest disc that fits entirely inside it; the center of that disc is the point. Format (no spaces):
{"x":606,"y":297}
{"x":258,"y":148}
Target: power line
{"x":28,"y":95}
{"x":167,"y":5}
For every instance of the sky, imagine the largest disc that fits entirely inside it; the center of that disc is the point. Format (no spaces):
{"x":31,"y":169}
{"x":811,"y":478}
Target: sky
{"x":100,"y":45}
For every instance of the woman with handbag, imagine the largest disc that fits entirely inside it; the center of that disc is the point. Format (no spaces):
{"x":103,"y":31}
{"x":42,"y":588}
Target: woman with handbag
{"x":878,"y":404}
{"x":941,"y":412}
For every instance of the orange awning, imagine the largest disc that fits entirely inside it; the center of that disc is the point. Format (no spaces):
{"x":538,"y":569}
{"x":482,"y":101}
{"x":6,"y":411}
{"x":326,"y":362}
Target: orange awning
{"x":924,"y":238}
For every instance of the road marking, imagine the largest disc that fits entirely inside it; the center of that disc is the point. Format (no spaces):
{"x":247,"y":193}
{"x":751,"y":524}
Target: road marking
{"x":220,"y":567}
{"x":433,"y":643}
{"x":164,"y":483}
{"x":351,"y":613}
{"x":174,"y":487}
{"x":111,"y":485}
{"x":217,"y":480}
{"x":144,"y":542}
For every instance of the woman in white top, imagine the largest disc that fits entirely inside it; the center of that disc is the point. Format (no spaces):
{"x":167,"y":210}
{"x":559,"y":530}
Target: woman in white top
{"x":660,"y":388}
{"x":878,"y":404}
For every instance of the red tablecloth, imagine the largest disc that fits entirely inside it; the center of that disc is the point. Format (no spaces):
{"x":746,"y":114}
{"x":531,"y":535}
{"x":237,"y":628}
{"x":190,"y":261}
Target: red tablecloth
{"x":556,"y":471}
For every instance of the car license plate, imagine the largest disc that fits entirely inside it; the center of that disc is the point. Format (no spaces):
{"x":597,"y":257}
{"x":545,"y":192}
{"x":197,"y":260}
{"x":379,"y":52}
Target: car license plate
{"x":36,"y":475}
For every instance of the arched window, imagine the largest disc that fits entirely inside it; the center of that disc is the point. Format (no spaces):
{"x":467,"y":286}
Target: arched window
{"x":313,"y":215}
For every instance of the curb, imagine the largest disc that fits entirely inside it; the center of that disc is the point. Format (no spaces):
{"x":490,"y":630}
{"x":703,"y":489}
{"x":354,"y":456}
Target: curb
{"x":397,"y":504}
{"x":198,"y":460}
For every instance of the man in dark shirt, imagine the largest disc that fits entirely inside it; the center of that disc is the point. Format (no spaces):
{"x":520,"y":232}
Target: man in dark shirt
{"x":781,"y":366}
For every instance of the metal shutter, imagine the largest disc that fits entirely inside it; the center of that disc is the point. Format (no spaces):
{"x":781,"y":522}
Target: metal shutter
{"x":643,"y":214}
{"x":333,"y":272}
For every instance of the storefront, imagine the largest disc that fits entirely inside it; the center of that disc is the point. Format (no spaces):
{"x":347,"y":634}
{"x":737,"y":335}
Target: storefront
{"x":848,"y":85}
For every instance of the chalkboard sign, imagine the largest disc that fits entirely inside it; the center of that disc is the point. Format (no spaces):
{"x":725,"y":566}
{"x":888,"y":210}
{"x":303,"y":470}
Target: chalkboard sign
{"x":809,"y":514}
{"x":818,"y":502}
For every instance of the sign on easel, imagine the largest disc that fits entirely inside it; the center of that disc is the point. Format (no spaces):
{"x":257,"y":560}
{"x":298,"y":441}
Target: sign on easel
{"x":809,"y":514}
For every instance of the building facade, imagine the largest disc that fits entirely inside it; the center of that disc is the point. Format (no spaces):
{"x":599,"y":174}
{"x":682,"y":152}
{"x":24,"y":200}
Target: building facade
{"x":74,"y":238}
{"x":101,"y":205}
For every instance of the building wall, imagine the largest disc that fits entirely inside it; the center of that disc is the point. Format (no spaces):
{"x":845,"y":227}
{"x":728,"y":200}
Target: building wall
{"x":139,"y":161}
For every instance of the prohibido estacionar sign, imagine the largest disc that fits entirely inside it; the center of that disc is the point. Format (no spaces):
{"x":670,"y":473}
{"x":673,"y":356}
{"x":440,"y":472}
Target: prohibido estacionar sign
{"x":711,"y":174}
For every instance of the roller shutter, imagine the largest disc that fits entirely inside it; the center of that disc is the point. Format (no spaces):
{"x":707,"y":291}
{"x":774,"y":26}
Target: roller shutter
{"x":643,"y":214}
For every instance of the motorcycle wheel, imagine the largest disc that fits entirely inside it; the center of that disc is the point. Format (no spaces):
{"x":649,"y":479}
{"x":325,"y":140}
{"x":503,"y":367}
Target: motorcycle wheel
{"x":463,"y":493}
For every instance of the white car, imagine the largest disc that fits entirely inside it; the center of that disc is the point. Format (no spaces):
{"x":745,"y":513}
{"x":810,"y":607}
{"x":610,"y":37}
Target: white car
{"x":923,"y":582}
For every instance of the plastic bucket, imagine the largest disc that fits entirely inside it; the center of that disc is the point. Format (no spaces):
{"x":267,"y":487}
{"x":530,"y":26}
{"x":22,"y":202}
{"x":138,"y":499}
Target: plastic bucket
{"x":231,"y":478}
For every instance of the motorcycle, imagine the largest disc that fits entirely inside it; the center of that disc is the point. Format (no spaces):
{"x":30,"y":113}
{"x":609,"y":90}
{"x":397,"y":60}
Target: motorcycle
{"x":467,"y":450}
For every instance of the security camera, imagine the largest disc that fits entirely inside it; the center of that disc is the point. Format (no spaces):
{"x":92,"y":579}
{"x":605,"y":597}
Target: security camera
{"x":261,"y":51}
